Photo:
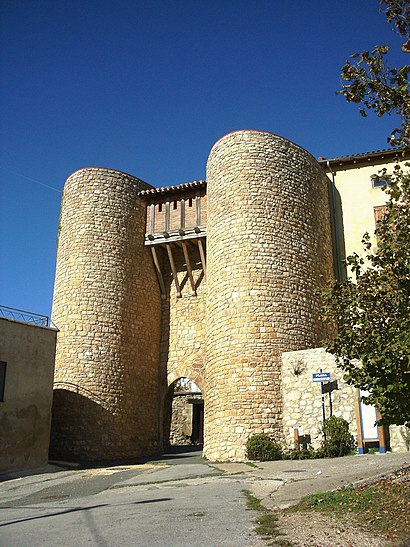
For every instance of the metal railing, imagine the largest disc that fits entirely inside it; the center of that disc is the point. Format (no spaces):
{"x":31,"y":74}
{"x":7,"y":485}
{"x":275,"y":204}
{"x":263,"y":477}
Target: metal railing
{"x":24,"y":316}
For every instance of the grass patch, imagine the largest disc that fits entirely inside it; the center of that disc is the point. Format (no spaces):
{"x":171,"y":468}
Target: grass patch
{"x":253,"y":503}
{"x":267,"y":522}
{"x":383,"y":506}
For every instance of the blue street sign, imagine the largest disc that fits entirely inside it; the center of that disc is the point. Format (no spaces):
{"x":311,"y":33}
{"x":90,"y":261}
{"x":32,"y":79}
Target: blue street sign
{"x":321,"y":377}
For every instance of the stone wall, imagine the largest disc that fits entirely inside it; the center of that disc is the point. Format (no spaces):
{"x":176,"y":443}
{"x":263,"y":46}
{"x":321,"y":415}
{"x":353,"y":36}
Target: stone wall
{"x":182,"y":418}
{"x":302,"y":403}
{"x":108,"y":309}
{"x":268,"y":250}
{"x":25,"y":412}
{"x":183,"y":322}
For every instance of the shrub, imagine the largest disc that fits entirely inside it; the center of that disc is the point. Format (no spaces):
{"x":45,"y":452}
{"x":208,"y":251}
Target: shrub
{"x":304,"y":454}
{"x":261,"y":447}
{"x":339,"y":442}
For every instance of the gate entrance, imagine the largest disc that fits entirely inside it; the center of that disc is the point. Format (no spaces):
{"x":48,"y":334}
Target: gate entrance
{"x":187,"y":413}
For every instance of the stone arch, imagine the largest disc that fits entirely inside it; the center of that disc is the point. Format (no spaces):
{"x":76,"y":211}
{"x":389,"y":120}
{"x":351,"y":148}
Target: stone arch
{"x":192,"y":373}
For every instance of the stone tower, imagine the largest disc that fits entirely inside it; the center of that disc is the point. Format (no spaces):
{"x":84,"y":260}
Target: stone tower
{"x":107,"y":307}
{"x":211,"y":280}
{"x":268,"y":250}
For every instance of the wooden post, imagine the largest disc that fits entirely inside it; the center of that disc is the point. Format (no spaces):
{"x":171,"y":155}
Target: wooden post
{"x":167,"y":216}
{"x":380,"y":430}
{"x":296,"y":438}
{"x":188,"y":266}
{"x":202,"y":255}
{"x":360,"y":447}
{"x":198,"y":210}
{"x":152,"y":218}
{"x":173,"y":269}
{"x":182,"y":217}
{"x":159,"y":273}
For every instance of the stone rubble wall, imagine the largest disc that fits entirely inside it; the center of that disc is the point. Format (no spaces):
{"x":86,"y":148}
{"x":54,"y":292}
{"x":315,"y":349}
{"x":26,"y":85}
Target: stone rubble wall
{"x":268,"y":250}
{"x":108,"y":310}
{"x":183,"y":322}
{"x":182,"y":417}
{"x":302,"y":402}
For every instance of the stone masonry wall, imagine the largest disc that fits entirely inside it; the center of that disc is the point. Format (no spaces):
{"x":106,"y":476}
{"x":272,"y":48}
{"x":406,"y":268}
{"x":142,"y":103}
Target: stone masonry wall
{"x":182,"y":419}
{"x":183,"y":322}
{"x":268,"y":250}
{"x":302,"y":403}
{"x":107,"y":307}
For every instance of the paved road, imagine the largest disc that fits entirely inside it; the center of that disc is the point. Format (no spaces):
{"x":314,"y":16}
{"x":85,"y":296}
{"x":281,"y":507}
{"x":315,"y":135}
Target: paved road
{"x":179,"y":500}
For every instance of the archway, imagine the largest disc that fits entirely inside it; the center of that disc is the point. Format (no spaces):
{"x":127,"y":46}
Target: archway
{"x":184,"y":412}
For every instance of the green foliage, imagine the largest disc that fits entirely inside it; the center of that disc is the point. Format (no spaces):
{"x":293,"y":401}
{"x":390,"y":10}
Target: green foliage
{"x":384,"y":506}
{"x":261,"y":447}
{"x":370,"y":82}
{"x":267,"y":522}
{"x":339,"y":442}
{"x":372,"y":312}
{"x":304,"y":454}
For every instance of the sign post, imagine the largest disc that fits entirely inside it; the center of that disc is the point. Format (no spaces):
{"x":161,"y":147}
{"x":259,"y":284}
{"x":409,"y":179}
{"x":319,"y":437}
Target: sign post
{"x":322,"y":377}
{"x":326,"y":387}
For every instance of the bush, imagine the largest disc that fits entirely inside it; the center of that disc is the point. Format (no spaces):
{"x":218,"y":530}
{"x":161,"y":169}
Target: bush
{"x":304,"y":454}
{"x":339,"y":442}
{"x":263,"y":448}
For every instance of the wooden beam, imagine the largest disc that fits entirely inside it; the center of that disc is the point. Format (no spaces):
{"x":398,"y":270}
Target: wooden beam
{"x":174,"y":270}
{"x":202,"y":255}
{"x":188,"y":266}
{"x":158,"y":269}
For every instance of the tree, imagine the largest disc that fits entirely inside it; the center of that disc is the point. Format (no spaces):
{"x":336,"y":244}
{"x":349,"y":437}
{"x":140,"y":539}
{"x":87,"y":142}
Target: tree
{"x":372,"y":310}
{"x":371,"y":83}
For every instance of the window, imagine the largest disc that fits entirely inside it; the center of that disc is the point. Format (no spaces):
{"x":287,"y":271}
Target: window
{"x":379,"y":211}
{"x":2,"y":379}
{"x":378,"y":181}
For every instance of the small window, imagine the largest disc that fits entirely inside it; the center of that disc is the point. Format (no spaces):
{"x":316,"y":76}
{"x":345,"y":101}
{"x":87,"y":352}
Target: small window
{"x":2,"y":379}
{"x":175,"y":204}
{"x":379,"y":211}
{"x":160,"y":207}
{"x":380,"y":181}
{"x":190,"y":202}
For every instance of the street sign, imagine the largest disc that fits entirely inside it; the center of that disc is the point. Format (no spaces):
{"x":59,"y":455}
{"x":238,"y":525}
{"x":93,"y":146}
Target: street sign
{"x":321,"y":377}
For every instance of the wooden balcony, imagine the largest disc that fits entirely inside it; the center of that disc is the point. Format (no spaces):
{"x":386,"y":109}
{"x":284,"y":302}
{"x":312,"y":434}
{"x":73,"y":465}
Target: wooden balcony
{"x":176,"y":219}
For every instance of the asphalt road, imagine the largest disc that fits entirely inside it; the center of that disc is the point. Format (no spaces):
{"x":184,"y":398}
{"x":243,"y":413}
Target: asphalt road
{"x":178,"y":500}
{"x":165,"y":503}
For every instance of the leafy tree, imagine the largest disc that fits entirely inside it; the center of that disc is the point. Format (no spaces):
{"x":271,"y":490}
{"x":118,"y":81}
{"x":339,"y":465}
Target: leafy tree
{"x":377,"y":87}
{"x":372,"y":311}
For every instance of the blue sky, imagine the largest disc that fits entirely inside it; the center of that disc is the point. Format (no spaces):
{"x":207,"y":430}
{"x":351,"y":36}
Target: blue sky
{"x":147,"y":87}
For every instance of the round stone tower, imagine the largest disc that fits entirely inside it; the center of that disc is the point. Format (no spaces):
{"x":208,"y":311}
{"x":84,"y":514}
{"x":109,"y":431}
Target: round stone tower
{"x":107,"y":309}
{"x":268,"y":251}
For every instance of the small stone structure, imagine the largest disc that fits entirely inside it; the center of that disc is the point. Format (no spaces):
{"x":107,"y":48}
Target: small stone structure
{"x":212,"y":281}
